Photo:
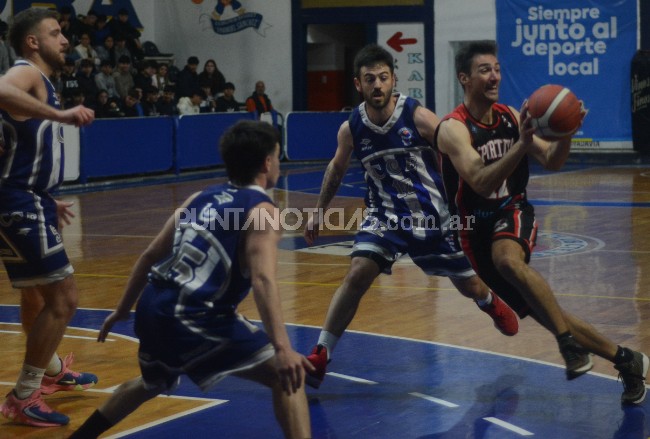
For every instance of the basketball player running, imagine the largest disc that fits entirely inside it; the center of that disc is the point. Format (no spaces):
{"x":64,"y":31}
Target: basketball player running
{"x":391,"y":134}
{"x":32,"y":249}
{"x":200,"y":267}
{"x":489,"y":184}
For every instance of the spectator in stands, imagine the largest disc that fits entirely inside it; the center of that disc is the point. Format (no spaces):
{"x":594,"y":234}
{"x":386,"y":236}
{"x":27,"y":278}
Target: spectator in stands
{"x":212,"y":77}
{"x":150,"y":102}
{"x":69,"y":24}
{"x":121,"y":26}
{"x":123,"y":78}
{"x":85,"y":50}
{"x":188,"y":80}
{"x":167,"y":102}
{"x":161,"y":78}
{"x":191,"y":104}
{"x":104,"y":79}
{"x":101,"y":30}
{"x":227,"y":102}
{"x":106,"y":106}
{"x":86,"y":80}
{"x":132,"y":106}
{"x":106,"y":50}
{"x":120,"y":48}
{"x":69,"y":82}
{"x":208,"y":103}
{"x":259,"y":101}
{"x":87,"y":25}
{"x":7,"y":53}
{"x":146,"y":71}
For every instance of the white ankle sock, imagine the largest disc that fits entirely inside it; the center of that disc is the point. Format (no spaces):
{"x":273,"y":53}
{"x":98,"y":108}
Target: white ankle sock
{"x":486,"y":301}
{"x":328,"y":340}
{"x":29,"y":381}
{"x":55,"y":366}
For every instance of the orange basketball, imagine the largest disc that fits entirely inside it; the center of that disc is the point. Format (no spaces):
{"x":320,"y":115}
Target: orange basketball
{"x":555,"y":110}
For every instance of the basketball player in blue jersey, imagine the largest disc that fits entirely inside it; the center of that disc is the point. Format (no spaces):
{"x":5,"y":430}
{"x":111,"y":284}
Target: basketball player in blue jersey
{"x":190,"y":281}
{"x":391,"y":134}
{"x":30,"y":219}
{"x":489,"y":183}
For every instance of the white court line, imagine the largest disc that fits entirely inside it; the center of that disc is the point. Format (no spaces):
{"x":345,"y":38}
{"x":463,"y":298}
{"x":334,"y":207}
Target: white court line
{"x":167,"y":419}
{"x":509,"y":426}
{"x":434,"y":399}
{"x":351,"y":378}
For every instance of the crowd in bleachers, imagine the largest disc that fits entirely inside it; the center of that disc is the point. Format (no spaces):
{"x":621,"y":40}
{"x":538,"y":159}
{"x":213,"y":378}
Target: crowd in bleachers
{"x":109,"y":69}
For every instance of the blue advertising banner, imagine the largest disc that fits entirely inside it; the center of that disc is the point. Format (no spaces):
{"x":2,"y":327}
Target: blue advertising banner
{"x":585,"y":45}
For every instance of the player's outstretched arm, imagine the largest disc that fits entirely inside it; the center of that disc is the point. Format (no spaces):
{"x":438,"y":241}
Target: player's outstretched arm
{"x":332,"y":179}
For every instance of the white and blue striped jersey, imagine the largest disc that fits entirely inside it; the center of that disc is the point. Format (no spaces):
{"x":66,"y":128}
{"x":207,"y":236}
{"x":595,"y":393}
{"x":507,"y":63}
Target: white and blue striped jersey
{"x":33,"y":158}
{"x":400,"y":170}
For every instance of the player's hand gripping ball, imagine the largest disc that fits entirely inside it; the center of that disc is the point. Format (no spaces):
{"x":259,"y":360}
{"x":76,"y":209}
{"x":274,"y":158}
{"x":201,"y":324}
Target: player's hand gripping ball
{"x":555,"y":111}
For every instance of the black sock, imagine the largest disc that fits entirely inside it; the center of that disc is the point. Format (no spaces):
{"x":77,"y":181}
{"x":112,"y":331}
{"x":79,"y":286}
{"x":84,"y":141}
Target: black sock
{"x":562,"y":337}
{"x":623,"y":355}
{"x":95,"y":425}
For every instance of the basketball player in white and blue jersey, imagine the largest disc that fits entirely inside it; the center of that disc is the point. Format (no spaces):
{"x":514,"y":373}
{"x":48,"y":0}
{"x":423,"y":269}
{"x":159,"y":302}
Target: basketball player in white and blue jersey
{"x":31,"y":247}
{"x":406,"y":211}
{"x":192,"y":277}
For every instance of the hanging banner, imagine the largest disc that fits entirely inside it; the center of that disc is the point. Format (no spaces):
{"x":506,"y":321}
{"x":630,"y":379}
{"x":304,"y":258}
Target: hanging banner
{"x":585,"y":45}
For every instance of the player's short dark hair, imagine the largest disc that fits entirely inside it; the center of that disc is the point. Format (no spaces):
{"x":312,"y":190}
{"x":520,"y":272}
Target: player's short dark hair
{"x":24,"y":23}
{"x":371,"y":55}
{"x":244,"y":147}
{"x":466,"y":54}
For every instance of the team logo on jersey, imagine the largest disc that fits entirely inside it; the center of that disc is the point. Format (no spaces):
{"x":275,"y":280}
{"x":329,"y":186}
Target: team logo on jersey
{"x":407,"y":136}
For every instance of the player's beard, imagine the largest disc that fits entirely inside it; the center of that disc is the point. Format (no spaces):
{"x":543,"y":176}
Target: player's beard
{"x":371,"y":100}
{"x":54,"y":59}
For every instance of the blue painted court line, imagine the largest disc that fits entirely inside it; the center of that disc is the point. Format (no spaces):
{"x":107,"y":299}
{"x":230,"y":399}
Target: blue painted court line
{"x":421,"y":390}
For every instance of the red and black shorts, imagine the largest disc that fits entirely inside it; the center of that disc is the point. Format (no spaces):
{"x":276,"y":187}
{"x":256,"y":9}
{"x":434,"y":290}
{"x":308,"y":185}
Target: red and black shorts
{"x":516,"y":221}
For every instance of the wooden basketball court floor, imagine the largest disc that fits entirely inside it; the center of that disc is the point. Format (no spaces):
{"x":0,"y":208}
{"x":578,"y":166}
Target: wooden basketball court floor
{"x":420,"y":361}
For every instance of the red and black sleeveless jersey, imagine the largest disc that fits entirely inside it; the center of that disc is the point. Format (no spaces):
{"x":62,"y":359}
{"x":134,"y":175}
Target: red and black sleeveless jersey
{"x":491,"y":142}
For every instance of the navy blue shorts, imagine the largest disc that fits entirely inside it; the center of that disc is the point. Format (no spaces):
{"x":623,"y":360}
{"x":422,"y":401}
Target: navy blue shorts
{"x":439,"y":255}
{"x":31,"y":247}
{"x":206,"y":349}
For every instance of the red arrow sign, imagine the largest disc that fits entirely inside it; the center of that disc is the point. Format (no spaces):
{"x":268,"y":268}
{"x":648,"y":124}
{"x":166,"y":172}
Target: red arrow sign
{"x":396,"y":41}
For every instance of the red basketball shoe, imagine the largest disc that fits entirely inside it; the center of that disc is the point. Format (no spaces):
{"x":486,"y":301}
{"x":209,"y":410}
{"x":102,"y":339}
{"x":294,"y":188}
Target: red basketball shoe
{"x":505,"y":319}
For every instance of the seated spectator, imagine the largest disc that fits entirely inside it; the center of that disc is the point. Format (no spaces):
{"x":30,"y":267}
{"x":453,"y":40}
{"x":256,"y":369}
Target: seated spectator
{"x":78,"y":98}
{"x":146,"y":70}
{"x":104,"y":79}
{"x":212,"y":77}
{"x":191,"y":104}
{"x":259,"y":101}
{"x":188,"y":80}
{"x":123,"y":78}
{"x":86,"y":80}
{"x":208,"y":103}
{"x":106,"y":50}
{"x":85,"y":50}
{"x":69,"y":25}
{"x":150,"y":102}
{"x":227,"y":102}
{"x":120,"y":48}
{"x":161,"y":78}
{"x":87,"y":26}
{"x":121,"y":26}
{"x":101,"y":31}
{"x":167,"y":102}
{"x":69,"y":82}
{"x":132,"y":106}
{"x":106,"y":107}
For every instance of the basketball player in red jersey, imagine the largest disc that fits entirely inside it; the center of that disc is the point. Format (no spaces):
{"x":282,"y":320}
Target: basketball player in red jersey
{"x":484,"y":150}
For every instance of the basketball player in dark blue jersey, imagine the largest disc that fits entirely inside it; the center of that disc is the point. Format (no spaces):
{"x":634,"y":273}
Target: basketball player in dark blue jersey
{"x":485,"y":146}
{"x":30,"y":219}
{"x":190,"y":281}
{"x":391,"y":134}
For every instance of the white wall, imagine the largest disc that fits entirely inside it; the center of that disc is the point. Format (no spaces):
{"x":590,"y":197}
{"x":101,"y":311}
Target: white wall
{"x":244,"y":57}
{"x":465,"y":20}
